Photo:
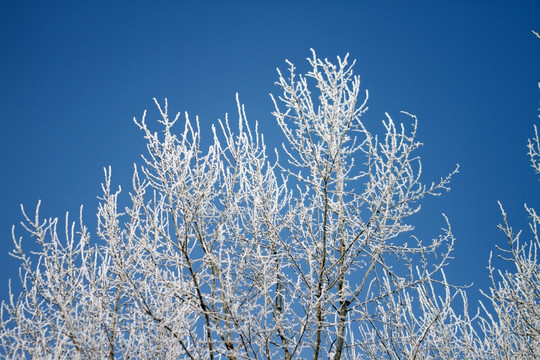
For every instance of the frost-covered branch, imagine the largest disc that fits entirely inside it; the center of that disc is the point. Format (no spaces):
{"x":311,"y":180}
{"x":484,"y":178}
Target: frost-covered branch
{"x":223,"y":252}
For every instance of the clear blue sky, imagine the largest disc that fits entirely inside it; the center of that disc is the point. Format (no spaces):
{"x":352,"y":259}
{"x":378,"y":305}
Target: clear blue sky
{"x":73,"y":74}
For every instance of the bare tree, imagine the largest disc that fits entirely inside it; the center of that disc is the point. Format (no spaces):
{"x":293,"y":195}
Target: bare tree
{"x":224,"y":253}
{"x":512,"y":329}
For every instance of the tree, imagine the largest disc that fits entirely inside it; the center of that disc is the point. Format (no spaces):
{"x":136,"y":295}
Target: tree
{"x":512,"y":329}
{"x":225,"y":253}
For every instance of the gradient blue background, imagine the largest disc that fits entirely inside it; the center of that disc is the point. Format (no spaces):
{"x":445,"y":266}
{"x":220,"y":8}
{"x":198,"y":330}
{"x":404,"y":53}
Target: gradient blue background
{"x":73,"y":74}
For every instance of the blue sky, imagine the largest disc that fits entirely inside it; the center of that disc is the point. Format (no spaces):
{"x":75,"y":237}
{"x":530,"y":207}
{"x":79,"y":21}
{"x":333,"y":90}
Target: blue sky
{"x":73,"y":75}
